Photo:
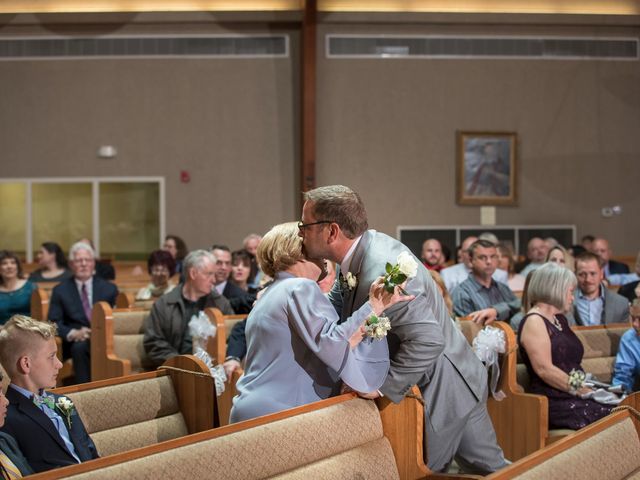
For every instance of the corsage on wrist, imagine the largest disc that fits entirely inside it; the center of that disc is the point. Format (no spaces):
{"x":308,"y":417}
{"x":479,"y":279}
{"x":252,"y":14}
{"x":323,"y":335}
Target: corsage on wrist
{"x":576,"y":381}
{"x":377,"y":327}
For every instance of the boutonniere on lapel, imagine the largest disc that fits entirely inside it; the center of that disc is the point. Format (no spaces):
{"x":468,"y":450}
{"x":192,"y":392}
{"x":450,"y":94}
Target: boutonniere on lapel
{"x":66,"y":408}
{"x":405,"y":267}
{"x":348,"y":282}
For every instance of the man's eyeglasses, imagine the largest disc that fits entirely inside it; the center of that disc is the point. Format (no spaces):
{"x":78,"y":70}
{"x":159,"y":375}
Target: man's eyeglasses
{"x":302,"y":226}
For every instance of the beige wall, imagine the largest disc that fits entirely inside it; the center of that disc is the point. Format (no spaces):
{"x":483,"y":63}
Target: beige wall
{"x":231,"y":123}
{"x":387,"y":128}
{"x":384,"y":126}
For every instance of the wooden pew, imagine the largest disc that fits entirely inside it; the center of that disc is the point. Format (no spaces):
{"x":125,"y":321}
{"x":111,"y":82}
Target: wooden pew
{"x":116,"y":342}
{"x":176,"y":400}
{"x":608,"y":448}
{"x":224,"y":324}
{"x":520,"y":419}
{"x":341,"y":437}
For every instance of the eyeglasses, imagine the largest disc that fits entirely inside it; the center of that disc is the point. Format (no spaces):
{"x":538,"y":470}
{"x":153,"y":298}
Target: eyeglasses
{"x":302,"y":226}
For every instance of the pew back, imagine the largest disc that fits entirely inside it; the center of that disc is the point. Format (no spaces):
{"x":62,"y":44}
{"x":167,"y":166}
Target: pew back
{"x":130,"y":412}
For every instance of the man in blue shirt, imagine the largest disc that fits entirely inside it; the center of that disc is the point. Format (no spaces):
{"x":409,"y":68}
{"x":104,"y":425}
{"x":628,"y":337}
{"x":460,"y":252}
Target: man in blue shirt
{"x":627,"y":367}
{"x":595,"y":304}
{"x":480,"y":296}
{"x":47,"y":428}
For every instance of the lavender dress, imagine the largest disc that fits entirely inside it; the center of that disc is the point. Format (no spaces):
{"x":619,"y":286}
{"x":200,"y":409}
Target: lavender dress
{"x":565,"y":410}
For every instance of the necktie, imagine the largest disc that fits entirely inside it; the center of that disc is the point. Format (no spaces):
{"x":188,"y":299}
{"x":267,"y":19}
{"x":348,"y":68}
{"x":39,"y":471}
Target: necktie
{"x":86,"y":305}
{"x":10,"y":471}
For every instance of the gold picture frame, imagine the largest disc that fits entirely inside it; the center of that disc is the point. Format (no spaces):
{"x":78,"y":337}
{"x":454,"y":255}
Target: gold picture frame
{"x":486,"y":168}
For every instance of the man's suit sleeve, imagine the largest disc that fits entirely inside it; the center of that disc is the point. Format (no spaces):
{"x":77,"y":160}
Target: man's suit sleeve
{"x":155,"y":344}
{"x":237,"y":342}
{"x":335,"y":295}
{"x":419,"y":342}
{"x":56,"y":312}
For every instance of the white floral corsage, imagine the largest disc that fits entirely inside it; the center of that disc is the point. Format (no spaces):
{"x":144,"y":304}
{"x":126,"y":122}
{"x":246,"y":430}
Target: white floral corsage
{"x":576,"y":381}
{"x":66,"y":408}
{"x":405,"y":267}
{"x":377,"y":327}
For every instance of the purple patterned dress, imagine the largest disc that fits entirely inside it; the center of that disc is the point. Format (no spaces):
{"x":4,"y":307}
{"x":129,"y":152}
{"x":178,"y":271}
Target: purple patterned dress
{"x":565,"y":410}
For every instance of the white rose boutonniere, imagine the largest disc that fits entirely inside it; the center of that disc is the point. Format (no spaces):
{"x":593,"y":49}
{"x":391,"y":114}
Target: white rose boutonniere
{"x":405,"y":267}
{"x":348,"y":282}
{"x":352,"y":281}
{"x":66,"y":408}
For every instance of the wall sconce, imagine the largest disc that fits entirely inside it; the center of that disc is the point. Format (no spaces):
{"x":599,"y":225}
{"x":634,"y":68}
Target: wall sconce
{"x":107,"y":151}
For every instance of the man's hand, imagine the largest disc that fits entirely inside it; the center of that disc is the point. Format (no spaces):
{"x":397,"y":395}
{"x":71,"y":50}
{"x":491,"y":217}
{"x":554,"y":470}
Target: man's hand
{"x":79,"y":334}
{"x":484,"y":317}
{"x":230,"y":366}
{"x":380,"y":299}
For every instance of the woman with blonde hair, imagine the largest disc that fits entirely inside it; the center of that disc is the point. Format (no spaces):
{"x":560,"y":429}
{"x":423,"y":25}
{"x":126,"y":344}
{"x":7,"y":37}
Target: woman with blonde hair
{"x":295,"y":348}
{"x":558,"y":254}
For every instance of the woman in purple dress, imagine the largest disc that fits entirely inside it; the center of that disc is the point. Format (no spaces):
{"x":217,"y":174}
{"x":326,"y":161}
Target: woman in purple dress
{"x":551,"y":351}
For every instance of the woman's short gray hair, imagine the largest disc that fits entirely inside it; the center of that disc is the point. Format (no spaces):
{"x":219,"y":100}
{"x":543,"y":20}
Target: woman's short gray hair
{"x":76,"y":247}
{"x":549,"y":284}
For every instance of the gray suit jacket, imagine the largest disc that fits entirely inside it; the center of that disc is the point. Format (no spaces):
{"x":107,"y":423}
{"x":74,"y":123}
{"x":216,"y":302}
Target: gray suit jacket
{"x":616,"y":309}
{"x":425,"y":346}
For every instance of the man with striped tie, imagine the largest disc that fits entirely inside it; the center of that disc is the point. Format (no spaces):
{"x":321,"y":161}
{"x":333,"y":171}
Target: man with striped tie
{"x":12,"y":462}
{"x":46,"y":427}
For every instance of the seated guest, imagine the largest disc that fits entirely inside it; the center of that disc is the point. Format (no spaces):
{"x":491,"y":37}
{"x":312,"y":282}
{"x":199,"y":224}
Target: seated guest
{"x":626,"y":371}
{"x":161,"y":267}
{"x":536,"y":253}
{"x":432,"y":254}
{"x":250,"y":245}
{"x":629,"y":282}
{"x":595,"y":304}
{"x":166,"y":330}
{"x":480,"y":296}
{"x":12,"y":461}
{"x":53,"y":264}
{"x":296,"y":348}
{"x":103,"y":268}
{"x":71,"y":304}
{"x":456,"y":274}
{"x":177,"y":248}
{"x":49,"y":434}
{"x":240,"y":301}
{"x":506,"y":262}
{"x":559,"y":255}
{"x":600,"y":247}
{"x":15,"y":291}
{"x":551,"y":351}
{"x":241,"y":271}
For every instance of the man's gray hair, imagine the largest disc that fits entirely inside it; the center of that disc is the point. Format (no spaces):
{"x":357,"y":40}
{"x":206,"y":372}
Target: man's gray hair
{"x":339,"y":204}
{"x":549,"y":284}
{"x":76,"y":247}
{"x":196,"y":260}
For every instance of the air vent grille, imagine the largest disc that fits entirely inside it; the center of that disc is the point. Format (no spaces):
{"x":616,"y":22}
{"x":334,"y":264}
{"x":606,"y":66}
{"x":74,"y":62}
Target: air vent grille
{"x":145,"y":46}
{"x":351,"y":46}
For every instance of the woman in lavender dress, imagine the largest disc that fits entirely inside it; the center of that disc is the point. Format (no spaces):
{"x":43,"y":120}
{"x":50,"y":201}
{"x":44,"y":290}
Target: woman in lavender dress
{"x":550,"y":349}
{"x":296,"y":351}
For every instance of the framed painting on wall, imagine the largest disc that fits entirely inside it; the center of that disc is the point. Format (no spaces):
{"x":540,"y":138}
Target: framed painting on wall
{"x":486,"y":168}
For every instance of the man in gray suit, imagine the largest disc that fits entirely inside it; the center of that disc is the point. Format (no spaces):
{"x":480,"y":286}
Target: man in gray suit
{"x":425,"y":347}
{"x":593,"y":303}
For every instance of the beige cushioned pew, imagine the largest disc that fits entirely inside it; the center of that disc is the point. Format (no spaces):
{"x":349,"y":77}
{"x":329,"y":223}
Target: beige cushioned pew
{"x":608,"y":449}
{"x":342,"y":437}
{"x":124,"y":413}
